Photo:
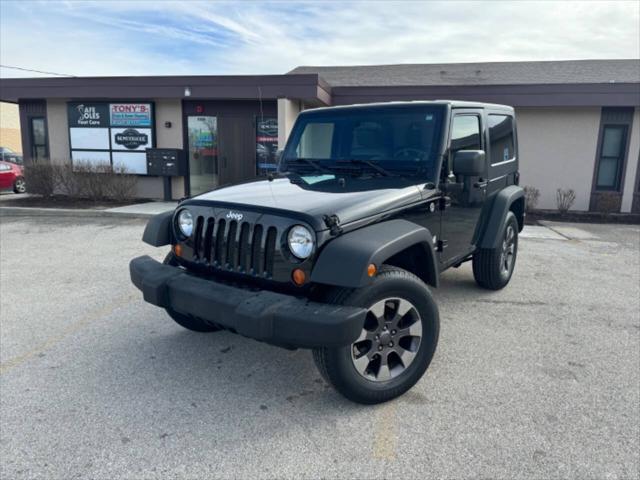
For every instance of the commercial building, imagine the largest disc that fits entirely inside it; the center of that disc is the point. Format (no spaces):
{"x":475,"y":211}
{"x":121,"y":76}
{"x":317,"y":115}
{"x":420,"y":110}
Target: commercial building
{"x":10,"y":127}
{"x":578,"y":121}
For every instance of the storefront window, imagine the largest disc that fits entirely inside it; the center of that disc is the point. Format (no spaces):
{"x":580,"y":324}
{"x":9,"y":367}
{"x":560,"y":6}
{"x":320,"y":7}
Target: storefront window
{"x":203,"y":153}
{"x":266,"y":145}
{"x":116,"y":134}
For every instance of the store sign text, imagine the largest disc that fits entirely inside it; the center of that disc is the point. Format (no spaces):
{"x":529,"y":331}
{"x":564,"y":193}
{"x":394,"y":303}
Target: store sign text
{"x":130,"y":114}
{"x":131,"y":139}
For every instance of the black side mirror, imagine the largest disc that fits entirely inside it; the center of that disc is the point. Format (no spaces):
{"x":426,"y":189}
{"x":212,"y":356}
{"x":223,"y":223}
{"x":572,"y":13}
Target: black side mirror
{"x":469,"y":163}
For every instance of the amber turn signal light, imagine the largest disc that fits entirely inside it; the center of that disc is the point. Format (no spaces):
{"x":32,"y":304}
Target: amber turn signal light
{"x":298,"y":276}
{"x":372,"y":270}
{"x":177,"y":249}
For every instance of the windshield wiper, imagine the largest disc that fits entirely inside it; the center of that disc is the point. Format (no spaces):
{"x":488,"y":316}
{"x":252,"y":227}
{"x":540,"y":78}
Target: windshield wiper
{"x":309,"y":162}
{"x":372,"y":165}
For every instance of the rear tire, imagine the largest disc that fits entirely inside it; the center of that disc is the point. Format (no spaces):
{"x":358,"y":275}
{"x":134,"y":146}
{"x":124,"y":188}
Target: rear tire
{"x":397,"y":343}
{"x":19,"y":185}
{"x":190,"y":323}
{"x":493,"y":268}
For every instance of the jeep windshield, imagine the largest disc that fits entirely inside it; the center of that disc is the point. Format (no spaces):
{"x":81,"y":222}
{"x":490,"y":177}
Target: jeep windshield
{"x":385,"y":140}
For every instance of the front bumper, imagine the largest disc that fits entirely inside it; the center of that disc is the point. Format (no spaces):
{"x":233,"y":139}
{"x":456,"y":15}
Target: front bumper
{"x":267,"y":316}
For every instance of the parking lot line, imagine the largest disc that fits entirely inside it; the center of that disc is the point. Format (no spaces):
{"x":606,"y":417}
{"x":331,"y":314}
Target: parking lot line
{"x":385,"y":437}
{"x":71,"y":329}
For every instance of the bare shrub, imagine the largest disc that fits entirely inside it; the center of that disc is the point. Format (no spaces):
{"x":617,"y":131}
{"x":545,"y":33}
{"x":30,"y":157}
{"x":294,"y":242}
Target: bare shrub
{"x":40,"y":179}
{"x":565,"y":199}
{"x":82,"y":179}
{"x":531,"y":197}
{"x":122,"y":185}
{"x":91,"y":179}
{"x":98,"y":181}
{"x":65,"y":180}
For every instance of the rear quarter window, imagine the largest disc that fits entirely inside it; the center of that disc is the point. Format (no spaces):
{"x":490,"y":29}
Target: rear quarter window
{"x":501,"y":141}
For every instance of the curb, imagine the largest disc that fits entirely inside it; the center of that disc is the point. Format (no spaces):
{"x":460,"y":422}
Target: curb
{"x":67,"y":212}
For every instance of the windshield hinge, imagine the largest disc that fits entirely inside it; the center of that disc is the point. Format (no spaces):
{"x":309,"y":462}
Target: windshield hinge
{"x":333,"y":224}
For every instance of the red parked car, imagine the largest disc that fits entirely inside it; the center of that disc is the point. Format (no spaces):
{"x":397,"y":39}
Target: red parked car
{"x":11,"y":177}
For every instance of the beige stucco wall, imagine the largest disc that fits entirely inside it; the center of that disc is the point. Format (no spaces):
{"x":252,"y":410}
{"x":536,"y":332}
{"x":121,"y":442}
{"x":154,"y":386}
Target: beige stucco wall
{"x":288,"y":111}
{"x":557,"y":149}
{"x":166,"y":137}
{"x":10,"y":127}
{"x":632,"y":164}
{"x":172,"y":137}
{"x":58,"y":128}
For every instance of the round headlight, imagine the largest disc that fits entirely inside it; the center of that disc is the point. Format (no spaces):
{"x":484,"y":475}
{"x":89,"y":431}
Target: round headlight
{"x":185,"y":223}
{"x":300,"y":242}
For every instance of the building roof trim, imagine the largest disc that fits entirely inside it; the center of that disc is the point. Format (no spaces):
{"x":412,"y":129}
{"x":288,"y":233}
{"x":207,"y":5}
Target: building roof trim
{"x":486,"y":73}
{"x":309,"y":87}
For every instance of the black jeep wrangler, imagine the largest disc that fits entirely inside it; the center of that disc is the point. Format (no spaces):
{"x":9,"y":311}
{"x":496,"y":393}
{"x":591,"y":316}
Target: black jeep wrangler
{"x":338,"y":250}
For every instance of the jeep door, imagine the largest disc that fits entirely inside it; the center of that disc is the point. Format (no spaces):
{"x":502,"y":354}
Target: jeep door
{"x":464,"y":194}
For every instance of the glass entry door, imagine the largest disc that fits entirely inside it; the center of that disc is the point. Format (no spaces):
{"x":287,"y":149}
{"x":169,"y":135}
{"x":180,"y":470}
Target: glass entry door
{"x":202,"y":132}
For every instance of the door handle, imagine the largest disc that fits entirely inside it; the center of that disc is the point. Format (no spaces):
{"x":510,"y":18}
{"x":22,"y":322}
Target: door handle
{"x":480,"y":184}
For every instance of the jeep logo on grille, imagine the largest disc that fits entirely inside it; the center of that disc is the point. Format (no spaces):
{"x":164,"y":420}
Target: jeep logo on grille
{"x":235,"y":216}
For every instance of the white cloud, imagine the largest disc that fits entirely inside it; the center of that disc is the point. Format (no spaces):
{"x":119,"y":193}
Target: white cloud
{"x":137,"y":38}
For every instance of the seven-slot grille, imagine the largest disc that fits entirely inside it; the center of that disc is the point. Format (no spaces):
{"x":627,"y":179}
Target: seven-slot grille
{"x":235,"y":246}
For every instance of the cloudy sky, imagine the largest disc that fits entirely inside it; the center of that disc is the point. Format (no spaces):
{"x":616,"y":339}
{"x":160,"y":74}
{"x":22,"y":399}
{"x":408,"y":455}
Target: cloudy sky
{"x":158,"y":37}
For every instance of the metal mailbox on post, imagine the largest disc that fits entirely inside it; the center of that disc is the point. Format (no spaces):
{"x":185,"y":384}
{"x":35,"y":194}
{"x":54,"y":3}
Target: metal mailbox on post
{"x":167,"y":163}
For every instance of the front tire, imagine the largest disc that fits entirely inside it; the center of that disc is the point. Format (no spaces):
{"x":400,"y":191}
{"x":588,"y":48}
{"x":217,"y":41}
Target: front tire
{"x":493,"y":268}
{"x":397,"y":342}
{"x":190,"y":323}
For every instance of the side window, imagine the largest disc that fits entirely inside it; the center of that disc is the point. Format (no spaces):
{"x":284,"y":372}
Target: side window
{"x":38,"y":139}
{"x":612,"y":149}
{"x":316,"y":141}
{"x":502,"y":146}
{"x":465,"y":133}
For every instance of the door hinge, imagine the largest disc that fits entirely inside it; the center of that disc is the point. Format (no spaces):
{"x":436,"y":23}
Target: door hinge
{"x":441,"y":245}
{"x":333,"y":224}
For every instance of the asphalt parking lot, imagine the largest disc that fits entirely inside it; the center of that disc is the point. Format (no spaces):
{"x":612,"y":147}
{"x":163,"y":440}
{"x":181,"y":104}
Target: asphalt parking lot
{"x":540,"y":380}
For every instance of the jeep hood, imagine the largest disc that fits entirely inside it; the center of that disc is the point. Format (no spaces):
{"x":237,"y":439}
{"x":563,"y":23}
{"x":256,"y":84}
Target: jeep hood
{"x":352,"y":200}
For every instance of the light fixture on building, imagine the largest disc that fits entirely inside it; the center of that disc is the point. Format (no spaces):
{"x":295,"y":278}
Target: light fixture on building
{"x":187,"y":91}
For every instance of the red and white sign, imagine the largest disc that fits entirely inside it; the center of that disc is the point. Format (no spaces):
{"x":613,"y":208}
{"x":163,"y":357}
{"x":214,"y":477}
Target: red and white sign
{"x":130,"y":114}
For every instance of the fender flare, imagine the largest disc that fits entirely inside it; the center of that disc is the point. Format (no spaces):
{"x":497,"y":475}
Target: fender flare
{"x":498,"y":214}
{"x":158,"y":230}
{"x":343,"y":261}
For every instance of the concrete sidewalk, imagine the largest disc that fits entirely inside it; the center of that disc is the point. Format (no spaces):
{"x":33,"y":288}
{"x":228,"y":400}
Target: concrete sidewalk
{"x":144,"y":209}
{"x":138,"y":210}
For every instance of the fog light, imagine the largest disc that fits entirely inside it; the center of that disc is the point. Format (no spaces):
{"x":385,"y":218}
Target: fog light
{"x":298,"y":276}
